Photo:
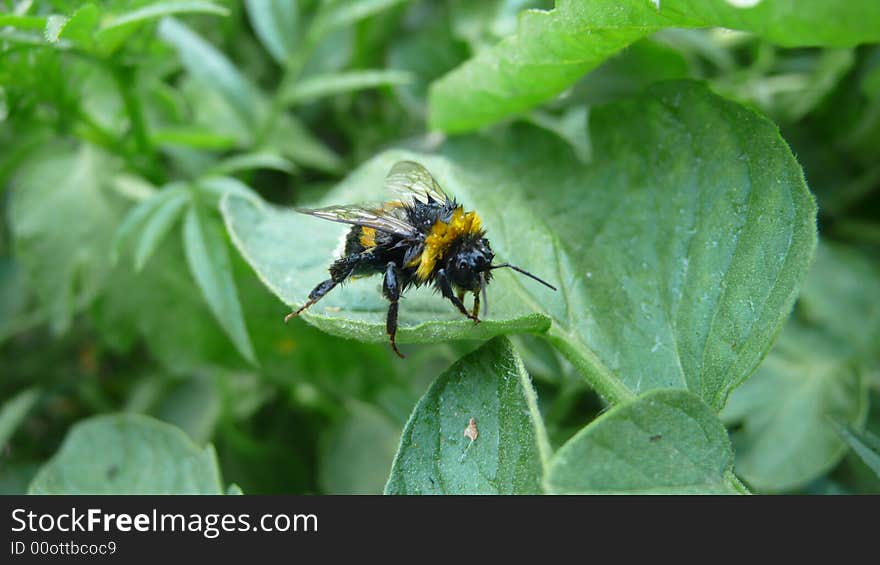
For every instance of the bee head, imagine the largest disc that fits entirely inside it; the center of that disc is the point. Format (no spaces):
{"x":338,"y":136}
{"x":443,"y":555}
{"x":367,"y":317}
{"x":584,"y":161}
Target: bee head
{"x":468,"y":266}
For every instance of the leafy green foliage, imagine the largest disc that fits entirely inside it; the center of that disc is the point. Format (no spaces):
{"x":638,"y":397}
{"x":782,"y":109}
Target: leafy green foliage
{"x":64,"y":260}
{"x":682,"y":289}
{"x":510,"y":450}
{"x":552,"y":49}
{"x":663,"y":442}
{"x":814,"y":377}
{"x":865,"y":444}
{"x":128,"y":455}
{"x":153,"y":150}
{"x":208,"y":259}
{"x":14,"y":411}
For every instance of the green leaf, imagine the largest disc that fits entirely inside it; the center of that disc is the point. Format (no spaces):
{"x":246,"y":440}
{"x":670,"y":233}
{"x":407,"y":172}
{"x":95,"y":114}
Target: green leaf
{"x":839,"y":296}
{"x":218,"y":187}
{"x":204,"y":62}
{"x":865,"y":444}
{"x":128,"y":454}
{"x":256,"y":160}
{"x":357,"y":452}
{"x":22,"y":22}
{"x":14,"y":411}
{"x":136,"y":217}
{"x":784,"y":432}
{"x":320,"y":86}
{"x":66,"y":261}
{"x":551,"y":50}
{"x":79,"y":27}
{"x":162,"y":307}
{"x":677,"y":251}
{"x":115,"y":30}
{"x":276,"y":23}
{"x":208,"y":259}
{"x":665,"y":442}
{"x":511,"y":449}
{"x":337,"y":14}
{"x":158,"y":225}
{"x":195,"y":136}
{"x":783,"y":436}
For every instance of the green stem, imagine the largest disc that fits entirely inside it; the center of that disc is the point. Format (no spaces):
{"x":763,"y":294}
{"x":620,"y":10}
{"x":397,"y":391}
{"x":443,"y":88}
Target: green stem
{"x":596,"y":374}
{"x":125,"y":81}
{"x":737,"y":484}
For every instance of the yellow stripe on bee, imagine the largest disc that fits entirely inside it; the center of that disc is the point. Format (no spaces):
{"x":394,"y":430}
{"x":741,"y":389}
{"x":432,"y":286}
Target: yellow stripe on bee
{"x":368,"y":237}
{"x":442,"y":236}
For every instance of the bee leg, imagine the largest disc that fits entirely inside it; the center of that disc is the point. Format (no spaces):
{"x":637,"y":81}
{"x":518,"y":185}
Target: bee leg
{"x":476,"y":310}
{"x":340,"y":270}
{"x":446,"y":291}
{"x":391,"y":290}
{"x":314,"y":296}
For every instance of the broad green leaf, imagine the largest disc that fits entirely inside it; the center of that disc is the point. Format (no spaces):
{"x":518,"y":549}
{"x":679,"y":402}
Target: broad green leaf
{"x":785,"y":435}
{"x":511,"y":449}
{"x":665,"y":442}
{"x":320,"y":86}
{"x":552,"y":49}
{"x":677,"y":251}
{"x":865,"y":444}
{"x":208,"y":259}
{"x":356,"y":453}
{"x":204,"y":62}
{"x":115,"y":30}
{"x":158,"y":225}
{"x":248,"y":161}
{"x":14,"y":411}
{"x":276,"y":23}
{"x":66,"y":261}
{"x":128,"y":454}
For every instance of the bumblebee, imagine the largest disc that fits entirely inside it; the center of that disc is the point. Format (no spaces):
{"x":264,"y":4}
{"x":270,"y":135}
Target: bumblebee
{"x":426,"y":238}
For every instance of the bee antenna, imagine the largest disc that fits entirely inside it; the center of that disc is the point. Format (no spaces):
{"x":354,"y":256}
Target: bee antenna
{"x":523,"y":271}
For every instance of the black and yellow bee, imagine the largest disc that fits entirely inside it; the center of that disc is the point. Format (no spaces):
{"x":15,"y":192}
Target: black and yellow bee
{"x":425,"y":238}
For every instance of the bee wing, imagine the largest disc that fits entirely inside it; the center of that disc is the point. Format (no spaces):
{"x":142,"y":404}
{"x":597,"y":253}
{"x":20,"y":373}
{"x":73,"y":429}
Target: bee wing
{"x":371,"y":216}
{"x":409,"y":179}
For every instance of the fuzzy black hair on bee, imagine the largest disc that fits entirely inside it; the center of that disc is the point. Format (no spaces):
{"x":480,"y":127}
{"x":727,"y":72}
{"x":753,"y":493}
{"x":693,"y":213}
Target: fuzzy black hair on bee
{"x":424,"y":238}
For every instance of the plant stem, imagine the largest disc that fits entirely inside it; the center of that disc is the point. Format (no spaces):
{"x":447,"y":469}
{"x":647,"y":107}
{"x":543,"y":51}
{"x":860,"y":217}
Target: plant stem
{"x":124,"y":81}
{"x":596,"y":374}
{"x":737,"y":484}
